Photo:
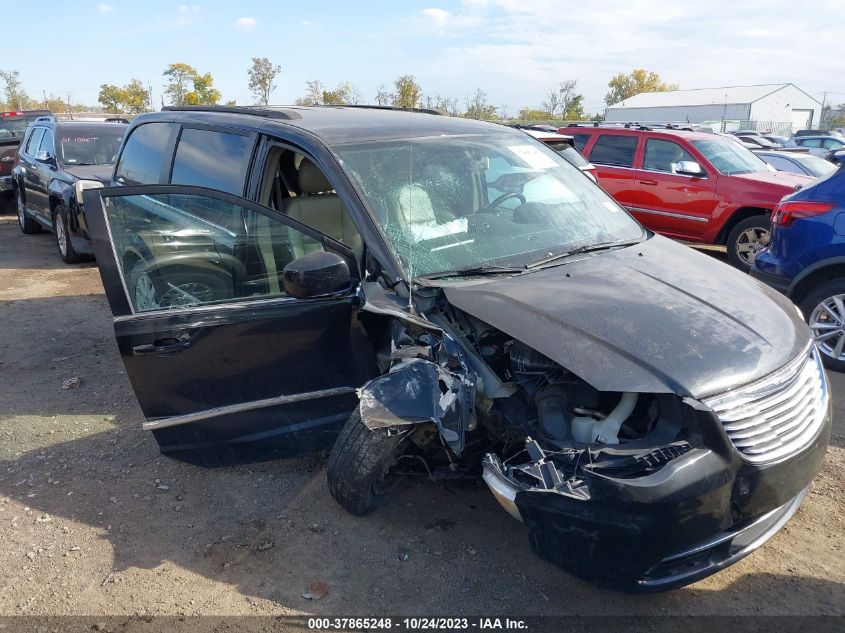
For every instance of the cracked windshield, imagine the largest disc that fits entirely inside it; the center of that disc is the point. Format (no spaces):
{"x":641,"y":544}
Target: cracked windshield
{"x":457,"y":203}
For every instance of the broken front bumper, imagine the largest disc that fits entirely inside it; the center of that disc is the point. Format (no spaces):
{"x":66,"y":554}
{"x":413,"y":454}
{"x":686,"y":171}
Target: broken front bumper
{"x":698,"y":514}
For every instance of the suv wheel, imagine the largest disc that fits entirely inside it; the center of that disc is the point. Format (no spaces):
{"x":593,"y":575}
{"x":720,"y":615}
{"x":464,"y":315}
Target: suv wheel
{"x":746,"y":239}
{"x":63,"y":242}
{"x":824,"y":309}
{"x":27,"y":224}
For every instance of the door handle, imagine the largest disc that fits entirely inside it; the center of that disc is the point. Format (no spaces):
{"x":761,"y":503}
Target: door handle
{"x":648,"y":182}
{"x":162,"y":347}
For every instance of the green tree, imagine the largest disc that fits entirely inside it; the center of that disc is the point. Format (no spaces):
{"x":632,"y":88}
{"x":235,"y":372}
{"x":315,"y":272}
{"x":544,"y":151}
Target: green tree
{"x":532,"y":114}
{"x":345,"y":93}
{"x":204,"y":92}
{"x":571,"y":101}
{"x":262,"y":79}
{"x":623,"y":86}
{"x":477,"y":107}
{"x":16,"y":97}
{"x":136,"y":99}
{"x":180,"y":78}
{"x":55,"y":104}
{"x":407,"y":92}
{"x":111,"y":98}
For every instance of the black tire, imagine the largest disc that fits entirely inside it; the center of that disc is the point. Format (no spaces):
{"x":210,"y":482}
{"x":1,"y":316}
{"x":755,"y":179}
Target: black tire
{"x":63,"y":242}
{"x":813,"y":300}
{"x":203,"y":285}
{"x":358,"y":464}
{"x":27,"y":225}
{"x":740,"y":255}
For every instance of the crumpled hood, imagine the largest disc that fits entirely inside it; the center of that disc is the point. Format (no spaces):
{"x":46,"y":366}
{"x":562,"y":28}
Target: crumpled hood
{"x":103,"y":173}
{"x":654,"y":317}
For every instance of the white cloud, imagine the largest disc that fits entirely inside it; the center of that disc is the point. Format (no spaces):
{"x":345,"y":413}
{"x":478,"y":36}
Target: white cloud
{"x":245,"y":24}
{"x":188,"y":8}
{"x":306,"y":23}
{"x":438,"y":15}
{"x":104,"y":8}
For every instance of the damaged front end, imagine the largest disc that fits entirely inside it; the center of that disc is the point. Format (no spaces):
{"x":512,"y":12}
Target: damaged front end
{"x":633,"y":490}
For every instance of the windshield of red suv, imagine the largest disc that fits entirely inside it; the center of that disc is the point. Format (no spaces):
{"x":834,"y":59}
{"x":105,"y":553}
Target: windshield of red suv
{"x":729,"y":157}
{"x":452,"y":203}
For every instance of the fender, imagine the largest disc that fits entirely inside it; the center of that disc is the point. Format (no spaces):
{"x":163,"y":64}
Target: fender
{"x":804,"y":274}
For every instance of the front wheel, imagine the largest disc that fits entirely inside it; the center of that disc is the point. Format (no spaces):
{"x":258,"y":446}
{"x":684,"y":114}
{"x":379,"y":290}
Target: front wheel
{"x":746,"y":239}
{"x":824,"y":309}
{"x":154,"y":290}
{"x":63,"y":242}
{"x":359,"y":469}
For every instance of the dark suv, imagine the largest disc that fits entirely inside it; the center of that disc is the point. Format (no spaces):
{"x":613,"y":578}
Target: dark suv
{"x":13,"y":124}
{"x":428,"y":294}
{"x":57,"y":161}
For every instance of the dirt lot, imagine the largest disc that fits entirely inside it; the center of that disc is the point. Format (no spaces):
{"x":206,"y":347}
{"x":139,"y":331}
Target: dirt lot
{"x":94,"y":521}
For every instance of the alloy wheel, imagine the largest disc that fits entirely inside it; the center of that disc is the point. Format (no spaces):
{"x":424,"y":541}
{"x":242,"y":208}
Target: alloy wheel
{"x":146,"y":297}
{"x":61,"y":234}
{"x":21,"y":210}
{"x":750,"y":242}
{"x":827,"y":322}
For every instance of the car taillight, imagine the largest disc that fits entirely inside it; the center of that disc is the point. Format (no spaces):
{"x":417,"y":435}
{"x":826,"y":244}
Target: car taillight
{"x":787,"y":212}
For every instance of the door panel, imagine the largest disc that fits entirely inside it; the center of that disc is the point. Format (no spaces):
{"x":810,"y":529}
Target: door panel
{"x":210,"y":340}
{"x":676,"y":205}
{"x":614,"y":155}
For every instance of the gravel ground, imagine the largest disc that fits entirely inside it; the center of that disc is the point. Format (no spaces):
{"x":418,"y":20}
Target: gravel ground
{"x":94,"y":521}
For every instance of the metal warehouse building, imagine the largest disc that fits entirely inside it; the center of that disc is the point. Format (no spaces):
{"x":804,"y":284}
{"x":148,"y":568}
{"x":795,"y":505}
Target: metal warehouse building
{"x":781,"y":108}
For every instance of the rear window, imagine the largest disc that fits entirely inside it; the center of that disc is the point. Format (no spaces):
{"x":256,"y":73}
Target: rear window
{"x":613,"y":149}
{"x":216,"y":160}
{"x":144,"y":154}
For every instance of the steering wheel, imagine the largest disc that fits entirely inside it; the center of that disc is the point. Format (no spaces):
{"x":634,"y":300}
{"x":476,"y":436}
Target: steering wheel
{"x":498,"y":201}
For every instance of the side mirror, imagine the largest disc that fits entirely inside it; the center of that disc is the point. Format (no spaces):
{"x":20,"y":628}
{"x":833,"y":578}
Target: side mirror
{"x":688,"y":168}
{"x":838,"y":158}
{"x":315,"y":274}
{"x":44,"y":157}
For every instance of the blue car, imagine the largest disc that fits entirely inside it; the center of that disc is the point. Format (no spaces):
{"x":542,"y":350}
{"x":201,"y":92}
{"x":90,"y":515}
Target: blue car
{"x":806,"y":259}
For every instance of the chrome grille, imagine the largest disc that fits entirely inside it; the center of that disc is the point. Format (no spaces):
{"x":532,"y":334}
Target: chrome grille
{"x":774,"y":417}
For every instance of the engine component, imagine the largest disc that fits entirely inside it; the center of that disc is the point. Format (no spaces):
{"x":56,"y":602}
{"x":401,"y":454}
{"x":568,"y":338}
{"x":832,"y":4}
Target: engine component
{"x":588,"y":430}
{"x":552,"y":411}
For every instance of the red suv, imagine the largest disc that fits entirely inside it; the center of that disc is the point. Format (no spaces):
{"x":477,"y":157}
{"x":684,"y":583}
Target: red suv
{"x":691,"y":186}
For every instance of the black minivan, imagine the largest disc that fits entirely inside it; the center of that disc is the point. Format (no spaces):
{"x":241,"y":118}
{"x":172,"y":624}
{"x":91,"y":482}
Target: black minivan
{"x":417,"y":291}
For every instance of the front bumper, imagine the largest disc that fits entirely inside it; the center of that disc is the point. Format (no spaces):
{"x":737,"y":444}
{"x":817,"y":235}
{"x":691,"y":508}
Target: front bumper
{"x":698,"y":514}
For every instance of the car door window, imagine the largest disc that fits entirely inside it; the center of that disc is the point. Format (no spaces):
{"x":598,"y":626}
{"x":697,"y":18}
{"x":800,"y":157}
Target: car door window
{"x":662,"y":155}
{"x":47,"y":145}
{"x":34,"y":141}
{"x":143,"y":154}
{"x":177,"y":250}
{"x":832,"y":143}
{"x":783,"y":164}
{"x":811,"y":142}
{"x":614,"y":149}
{"x":209,"y":158}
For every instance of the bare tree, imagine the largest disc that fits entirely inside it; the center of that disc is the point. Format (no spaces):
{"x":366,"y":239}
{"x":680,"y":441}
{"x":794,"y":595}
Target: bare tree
{"x":552,"y":102}
{"x":383,"y":97}
{"x":477,"y":106}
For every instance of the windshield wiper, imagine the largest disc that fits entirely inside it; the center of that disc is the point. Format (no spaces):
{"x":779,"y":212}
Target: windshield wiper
{"x":475,"y":271}
{"x":586,"y":248}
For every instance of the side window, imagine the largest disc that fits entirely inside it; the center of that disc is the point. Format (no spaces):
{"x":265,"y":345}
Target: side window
{"x":782,"y":164}
{"x":832,"y":143}
{"x":34,"y":141}
{"x":216,"y":160}
{"x":226,"y":252}
{"x":811,"y":142}
{"x":661,"y":155}
{"x":580,"y":141}
{"x":141,"y":161}
{"x":614,"y":149}
{"x":47,"y":143}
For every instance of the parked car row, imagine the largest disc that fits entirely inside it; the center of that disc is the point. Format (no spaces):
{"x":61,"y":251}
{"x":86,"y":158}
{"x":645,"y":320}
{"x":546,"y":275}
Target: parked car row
{"x":434,"y":295}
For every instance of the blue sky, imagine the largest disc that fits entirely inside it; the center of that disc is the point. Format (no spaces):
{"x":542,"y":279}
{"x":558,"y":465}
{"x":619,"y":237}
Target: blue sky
{"x":511,"y":49}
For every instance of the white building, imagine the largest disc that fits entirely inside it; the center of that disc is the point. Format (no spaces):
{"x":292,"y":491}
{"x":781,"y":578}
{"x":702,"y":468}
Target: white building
{"x":781,"y":108}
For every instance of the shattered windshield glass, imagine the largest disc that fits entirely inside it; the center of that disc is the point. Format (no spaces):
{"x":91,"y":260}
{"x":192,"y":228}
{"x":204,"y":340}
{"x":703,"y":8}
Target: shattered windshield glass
{"x":452,"y":203}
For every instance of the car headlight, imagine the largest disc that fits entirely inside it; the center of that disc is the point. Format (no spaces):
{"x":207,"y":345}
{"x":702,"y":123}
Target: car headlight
{"x":81,"y":185}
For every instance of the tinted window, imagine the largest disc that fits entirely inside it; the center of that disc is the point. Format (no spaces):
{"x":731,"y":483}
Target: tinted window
{"x":782,"y":164}
{"x":662,"y":155}
{"x":832,"y":143}
{"x":143,"y":155}
{"x":89,"y":145}
{"x":614,"y":150}
{"x":580,"y":141}
{"x":34,"y":141}
{"x":810,"y":142}
{"x":226,"y":252}
{"x":47,"y":144}
{"x":211,"y":159}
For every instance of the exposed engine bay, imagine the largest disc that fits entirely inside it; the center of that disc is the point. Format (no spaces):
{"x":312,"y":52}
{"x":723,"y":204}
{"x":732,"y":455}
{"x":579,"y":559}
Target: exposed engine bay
{"x":539,"y":424}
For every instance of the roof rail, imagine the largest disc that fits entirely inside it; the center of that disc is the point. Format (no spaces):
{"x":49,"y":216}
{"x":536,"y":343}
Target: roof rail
{"x":379,"y":107}
{"x":270,"y":113}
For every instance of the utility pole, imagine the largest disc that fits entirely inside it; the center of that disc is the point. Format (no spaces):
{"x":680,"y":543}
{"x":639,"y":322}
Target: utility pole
{"x":44,"y":92}
{"x":824,"y":100}
{"x":69,"y":111}
{"x":150,"y":95}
